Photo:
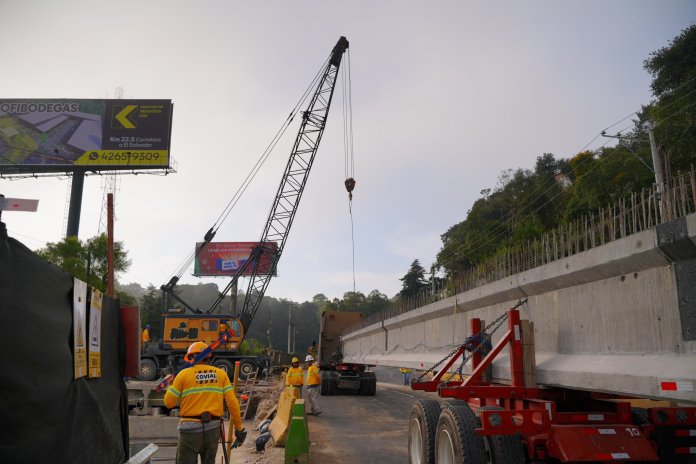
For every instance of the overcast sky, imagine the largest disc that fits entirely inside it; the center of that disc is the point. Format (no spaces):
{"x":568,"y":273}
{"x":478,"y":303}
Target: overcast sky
{"x":446,"y":95}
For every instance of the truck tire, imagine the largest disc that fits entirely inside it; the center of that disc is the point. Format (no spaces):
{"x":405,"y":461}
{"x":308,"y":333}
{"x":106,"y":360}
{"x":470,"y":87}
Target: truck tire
{"x":368,"y":383}
{"x":246,"y":368}
{"x":225,"y":365}
{"x":324,"y":389}
{"x":455,"y":438}
{"x":148,"y":369}
{"x":641,"y":416}
{"x":503,"y":449}
{"x":333,"y":386}
{"x":421,"y":432}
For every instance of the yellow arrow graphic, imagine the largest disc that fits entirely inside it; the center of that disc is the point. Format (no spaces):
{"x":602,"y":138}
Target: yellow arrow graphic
{"x":122,"y":116}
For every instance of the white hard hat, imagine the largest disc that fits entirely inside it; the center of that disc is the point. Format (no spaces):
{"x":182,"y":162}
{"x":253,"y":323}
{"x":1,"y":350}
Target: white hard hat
{"x":309,"y":358}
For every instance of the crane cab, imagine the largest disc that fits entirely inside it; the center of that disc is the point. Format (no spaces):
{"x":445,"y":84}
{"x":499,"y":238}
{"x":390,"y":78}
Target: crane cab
{"x":180,"y":330}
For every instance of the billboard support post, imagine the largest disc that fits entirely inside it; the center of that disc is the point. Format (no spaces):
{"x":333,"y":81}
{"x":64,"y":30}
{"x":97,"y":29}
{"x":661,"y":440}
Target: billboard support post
{"x":78,"y":183}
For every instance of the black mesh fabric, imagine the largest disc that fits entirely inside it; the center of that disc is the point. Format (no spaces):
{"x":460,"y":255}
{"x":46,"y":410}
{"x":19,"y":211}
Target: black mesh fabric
{"x":47,"y":415}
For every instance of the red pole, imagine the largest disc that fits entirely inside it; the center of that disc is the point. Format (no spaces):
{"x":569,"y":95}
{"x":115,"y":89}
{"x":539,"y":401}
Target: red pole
{"x":516,"y":362}
{"x":475,"y":330}
{"x":110,"y":246}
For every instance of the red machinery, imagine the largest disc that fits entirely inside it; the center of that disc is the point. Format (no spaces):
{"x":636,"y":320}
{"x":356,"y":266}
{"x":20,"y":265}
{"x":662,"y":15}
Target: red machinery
{"x":521,"y":422}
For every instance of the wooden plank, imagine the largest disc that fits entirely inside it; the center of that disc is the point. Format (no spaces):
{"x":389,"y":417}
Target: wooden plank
{"x":528,"y":355}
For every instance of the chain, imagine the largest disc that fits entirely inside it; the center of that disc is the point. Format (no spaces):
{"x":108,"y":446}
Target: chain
{"x":468,"y":339}
{"x":444,"y":359}
{"x":487,"y":337}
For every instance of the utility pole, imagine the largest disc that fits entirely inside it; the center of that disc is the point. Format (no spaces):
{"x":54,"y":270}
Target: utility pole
{"x":657,"y":166}
{"x":290,"y":331}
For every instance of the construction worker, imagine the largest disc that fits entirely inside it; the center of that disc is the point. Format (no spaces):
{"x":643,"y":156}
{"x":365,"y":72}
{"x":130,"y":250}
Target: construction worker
{"x":295,"y":378}
{"x":406,"y":373}
{"x":313,"y":383}
{"x":201,"y":389}
{"x":224,"y":327}
{"x":146,"y":338}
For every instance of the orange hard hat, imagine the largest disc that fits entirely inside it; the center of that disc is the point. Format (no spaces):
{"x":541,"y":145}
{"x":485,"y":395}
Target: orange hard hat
{"x":193,"y":350}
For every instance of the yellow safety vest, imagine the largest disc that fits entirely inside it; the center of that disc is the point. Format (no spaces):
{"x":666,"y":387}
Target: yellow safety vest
{"x":294,"y":377}
{"x":202,"y":388}
{"x":313,"y":377}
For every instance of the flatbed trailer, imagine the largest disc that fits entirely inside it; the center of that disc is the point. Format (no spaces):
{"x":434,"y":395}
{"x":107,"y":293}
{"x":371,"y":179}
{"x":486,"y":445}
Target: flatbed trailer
{"x":521,"y":422}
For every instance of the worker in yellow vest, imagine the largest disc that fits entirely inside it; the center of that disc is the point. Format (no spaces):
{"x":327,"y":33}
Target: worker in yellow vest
{"x":313,"y":383}
{"x":146,"y":338}
{"x":295,"y":378}
{"x":201,"y":389}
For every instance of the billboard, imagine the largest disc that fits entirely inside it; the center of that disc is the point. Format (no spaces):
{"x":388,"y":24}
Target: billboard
{"x":58,"y":135}
{"x":226,"y":258}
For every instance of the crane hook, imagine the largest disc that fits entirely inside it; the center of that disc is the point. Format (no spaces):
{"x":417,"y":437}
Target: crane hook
{"x":350,"y":185}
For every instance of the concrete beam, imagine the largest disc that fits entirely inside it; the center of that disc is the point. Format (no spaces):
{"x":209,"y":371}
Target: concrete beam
{"x":608,"y":319}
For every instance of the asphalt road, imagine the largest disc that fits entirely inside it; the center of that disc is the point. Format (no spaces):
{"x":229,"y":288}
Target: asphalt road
{"x":358,"y":429}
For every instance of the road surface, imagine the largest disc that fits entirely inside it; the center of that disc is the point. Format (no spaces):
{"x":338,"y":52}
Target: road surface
{"x":358,"y":429}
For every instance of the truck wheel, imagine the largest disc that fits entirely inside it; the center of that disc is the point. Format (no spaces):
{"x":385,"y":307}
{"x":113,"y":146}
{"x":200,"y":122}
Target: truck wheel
{"x":421,"y":432}
{"x":333,"y":385}
{"x":368,"y":383}
{"x":225,"y":365}
{"x":455,"y":438}
{"x":641,"y":416}
{"x":503,"y":449}
{"x":324,"y":386}
{"x":148,"y":369}
{"x":246,"y":368}
{"x":364,"y":384}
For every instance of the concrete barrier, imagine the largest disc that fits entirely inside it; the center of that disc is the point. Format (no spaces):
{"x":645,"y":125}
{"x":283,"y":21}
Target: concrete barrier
{"x":619,"y":318}
{"x":297,"y":445}
{"x":281,"y":423}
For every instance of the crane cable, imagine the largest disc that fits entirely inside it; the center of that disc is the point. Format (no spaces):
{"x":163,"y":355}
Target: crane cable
{"x":348,"y":147}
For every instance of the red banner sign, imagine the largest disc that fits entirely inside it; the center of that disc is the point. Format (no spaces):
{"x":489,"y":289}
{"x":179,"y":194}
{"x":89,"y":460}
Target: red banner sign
{"x":226,"y":258}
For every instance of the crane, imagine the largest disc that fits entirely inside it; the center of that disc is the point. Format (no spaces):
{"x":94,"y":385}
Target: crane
{"x":179,"y":330}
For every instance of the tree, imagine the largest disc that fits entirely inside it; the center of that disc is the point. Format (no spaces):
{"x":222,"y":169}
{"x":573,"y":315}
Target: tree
{"x":414,"y":280}
{"x":522,"y":205}
{"x":86,"y":261}
{"x":673,"y":112}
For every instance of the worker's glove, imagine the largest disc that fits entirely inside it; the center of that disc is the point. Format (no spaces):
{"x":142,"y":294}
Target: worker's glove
{"x":240,"y":435}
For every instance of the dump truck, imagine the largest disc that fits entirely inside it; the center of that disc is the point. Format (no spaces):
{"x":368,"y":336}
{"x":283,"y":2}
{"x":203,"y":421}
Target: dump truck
{"x":336,"y":375}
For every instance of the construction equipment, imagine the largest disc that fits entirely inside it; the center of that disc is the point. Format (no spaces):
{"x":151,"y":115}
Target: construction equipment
{"x":194,"y":324}
{"x":336,"y":375}
{"x":521,"y":422}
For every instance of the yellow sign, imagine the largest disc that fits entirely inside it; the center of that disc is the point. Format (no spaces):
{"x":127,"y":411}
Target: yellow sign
{"x":95,"y":326}
{"x":122,"y":116}
{"x":79,"y":320}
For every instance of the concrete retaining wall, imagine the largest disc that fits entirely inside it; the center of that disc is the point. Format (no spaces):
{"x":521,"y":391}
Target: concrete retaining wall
{"x":609,"y":319}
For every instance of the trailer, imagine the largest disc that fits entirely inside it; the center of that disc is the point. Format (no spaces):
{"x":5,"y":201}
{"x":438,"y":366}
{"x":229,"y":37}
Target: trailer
{"x":520,"y":422}
{"x":336,"y":375}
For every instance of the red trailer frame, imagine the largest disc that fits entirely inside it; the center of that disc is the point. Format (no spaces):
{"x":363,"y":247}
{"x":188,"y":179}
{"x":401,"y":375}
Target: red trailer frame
{"x":558,"y":423}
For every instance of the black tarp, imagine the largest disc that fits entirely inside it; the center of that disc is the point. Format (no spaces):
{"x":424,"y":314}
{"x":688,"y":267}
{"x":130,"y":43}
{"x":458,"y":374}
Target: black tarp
{"x":45,"y":414}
